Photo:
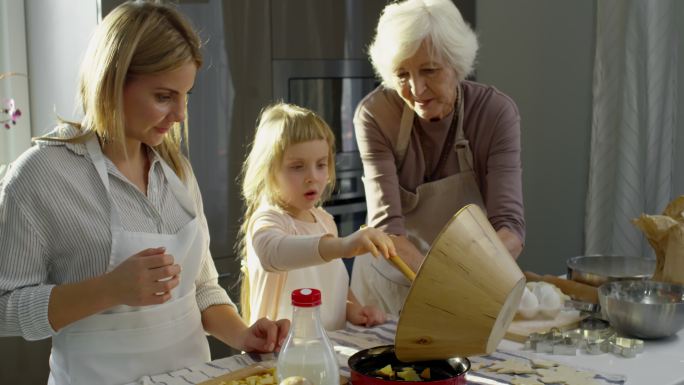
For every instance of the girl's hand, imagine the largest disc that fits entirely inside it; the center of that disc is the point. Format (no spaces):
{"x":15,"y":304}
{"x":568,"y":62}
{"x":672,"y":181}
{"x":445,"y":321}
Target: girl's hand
{"x":265,"y":336}
{"x":145,"y":278}
{"x":368,"y":240}
{"x":366,"y":316}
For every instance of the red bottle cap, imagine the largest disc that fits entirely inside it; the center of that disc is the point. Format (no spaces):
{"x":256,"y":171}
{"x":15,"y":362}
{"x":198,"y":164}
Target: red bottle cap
{"x":306,"y":297}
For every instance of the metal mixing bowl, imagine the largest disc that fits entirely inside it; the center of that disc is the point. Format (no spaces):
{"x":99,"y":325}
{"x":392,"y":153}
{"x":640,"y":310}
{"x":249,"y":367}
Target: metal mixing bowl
{"x":643,"y":309}
{"x":596,"y":270}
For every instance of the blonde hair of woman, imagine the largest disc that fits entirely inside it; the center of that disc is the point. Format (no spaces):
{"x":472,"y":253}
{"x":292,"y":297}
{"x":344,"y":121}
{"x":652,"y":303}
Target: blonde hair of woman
{"x":137,"y":38}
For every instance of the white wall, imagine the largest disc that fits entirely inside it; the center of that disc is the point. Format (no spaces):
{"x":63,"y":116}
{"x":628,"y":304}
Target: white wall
{"x":58,"y":32}
{"x":540,"y":52}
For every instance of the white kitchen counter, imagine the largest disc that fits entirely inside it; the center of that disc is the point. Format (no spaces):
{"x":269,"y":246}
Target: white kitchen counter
{"x":661,"y":363}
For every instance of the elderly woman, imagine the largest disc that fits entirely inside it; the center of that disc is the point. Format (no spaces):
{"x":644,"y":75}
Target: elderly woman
{"x":432,"y":142}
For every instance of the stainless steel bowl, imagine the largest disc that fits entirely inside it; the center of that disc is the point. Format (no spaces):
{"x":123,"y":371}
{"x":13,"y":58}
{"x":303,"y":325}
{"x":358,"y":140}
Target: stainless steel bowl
{"x":643,"y":309}
{"x":596,"y":270}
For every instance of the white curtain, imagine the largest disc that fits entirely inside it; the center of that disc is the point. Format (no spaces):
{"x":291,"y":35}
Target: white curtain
{"x":17,"y":139}
{"x":634,"y":120}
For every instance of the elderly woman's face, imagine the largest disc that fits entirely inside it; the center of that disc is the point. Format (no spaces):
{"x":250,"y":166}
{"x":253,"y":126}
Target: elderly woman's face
{"x":427,"y":84}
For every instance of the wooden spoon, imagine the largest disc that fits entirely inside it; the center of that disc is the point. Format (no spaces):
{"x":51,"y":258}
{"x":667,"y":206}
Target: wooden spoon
{"x":403,"y":267}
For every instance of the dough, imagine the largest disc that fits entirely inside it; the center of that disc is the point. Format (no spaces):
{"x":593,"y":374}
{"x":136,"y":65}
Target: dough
{"x":512,"y":367}
{"x":566,"y":375}
{"x":544,"y":364}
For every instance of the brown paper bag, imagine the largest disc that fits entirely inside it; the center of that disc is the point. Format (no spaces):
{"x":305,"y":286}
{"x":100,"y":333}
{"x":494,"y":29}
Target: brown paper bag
{"x":665,"y":233}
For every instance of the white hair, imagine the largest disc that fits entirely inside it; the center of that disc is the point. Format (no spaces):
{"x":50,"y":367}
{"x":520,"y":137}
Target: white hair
{"x":405,"y":25}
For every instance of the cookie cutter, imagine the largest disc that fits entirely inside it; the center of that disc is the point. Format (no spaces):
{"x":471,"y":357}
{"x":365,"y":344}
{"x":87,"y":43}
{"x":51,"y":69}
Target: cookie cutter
{"x":626,"y":347}
{"x":592,"y":341}
{"x":554,"y":342}
{"x":593,"y":336}
{"x":566,"y":347}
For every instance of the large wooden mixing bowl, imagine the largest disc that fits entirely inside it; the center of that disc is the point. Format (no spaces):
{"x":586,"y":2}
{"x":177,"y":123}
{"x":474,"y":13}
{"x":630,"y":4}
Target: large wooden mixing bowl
{"x":465,"y":294}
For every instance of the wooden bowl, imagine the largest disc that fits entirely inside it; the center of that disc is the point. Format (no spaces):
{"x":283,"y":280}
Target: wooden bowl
{"x":465,"y":294}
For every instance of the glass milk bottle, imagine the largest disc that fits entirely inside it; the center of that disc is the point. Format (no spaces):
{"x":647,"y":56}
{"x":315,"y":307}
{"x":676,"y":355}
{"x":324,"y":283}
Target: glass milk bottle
{"x":307,"y":351}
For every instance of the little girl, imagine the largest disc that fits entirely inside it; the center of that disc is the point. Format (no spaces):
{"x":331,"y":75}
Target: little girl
{"x":288,"y":240}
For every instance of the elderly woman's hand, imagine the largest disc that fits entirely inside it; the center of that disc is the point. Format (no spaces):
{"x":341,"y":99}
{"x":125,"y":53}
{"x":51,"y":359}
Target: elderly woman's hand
{"x":511,"y":241}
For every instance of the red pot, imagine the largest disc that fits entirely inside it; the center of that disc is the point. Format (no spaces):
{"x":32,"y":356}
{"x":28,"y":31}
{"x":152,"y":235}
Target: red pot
{"x":364,"y":363}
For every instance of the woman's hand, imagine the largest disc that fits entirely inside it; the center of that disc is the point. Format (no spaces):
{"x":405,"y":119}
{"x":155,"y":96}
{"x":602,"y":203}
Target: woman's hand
{"x":145,"y":278}
{"x":265,"y":336}
{"x":511,"y":241}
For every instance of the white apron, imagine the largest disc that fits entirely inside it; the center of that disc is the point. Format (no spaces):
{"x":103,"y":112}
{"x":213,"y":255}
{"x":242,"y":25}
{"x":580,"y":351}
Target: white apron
{"x":125,"y":343}
{"x":377,"y":282}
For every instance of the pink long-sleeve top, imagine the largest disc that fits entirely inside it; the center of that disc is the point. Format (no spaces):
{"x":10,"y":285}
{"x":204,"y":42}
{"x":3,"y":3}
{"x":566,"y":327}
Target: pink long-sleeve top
{"x":282,"y":255}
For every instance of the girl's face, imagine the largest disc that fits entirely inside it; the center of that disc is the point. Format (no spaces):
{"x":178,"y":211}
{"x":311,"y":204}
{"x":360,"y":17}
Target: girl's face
{"x":303,"y":176}
{"x":153,"y":103}
{"x":427,"y":84}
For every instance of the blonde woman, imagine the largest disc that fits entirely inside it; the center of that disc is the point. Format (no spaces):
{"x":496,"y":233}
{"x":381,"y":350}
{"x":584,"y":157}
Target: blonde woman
{"x":432,"y":142}
{"x":103,"y":239}
{"x":289,"y":241}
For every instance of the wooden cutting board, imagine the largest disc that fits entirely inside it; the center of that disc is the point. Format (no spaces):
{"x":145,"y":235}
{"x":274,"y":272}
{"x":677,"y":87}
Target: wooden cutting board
{"x":520,"y":328}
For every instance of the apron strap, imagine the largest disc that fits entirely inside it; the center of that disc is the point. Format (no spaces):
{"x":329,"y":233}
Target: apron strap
{"x":461,"y":145}
{"x":179,"y":189}
{"x":96,"y":155}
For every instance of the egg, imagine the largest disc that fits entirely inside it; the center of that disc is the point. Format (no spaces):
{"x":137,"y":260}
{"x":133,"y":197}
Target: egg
{"x":549,"y":302}
{"x":541,"y":300}
{"x":529,"y":305}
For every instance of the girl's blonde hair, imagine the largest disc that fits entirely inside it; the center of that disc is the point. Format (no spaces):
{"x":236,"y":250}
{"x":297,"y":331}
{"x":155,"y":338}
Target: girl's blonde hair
{"x":136,"y":38}
{"x":279,"y":127}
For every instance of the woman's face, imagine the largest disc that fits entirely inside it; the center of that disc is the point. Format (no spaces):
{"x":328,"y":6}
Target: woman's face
{"x":427,"y":84}
{"x":153,"y":103}
{"x":303,"y":176}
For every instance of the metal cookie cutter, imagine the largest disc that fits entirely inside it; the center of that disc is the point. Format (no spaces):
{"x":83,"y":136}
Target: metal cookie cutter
{"x":567,"y":347}
{"x":627,"y":347}
{"x":593,"y":335}
{"x":553,"y":341}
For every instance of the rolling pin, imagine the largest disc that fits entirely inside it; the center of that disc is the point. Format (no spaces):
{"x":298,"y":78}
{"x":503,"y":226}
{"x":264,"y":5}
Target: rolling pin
{"x":576,"y":290}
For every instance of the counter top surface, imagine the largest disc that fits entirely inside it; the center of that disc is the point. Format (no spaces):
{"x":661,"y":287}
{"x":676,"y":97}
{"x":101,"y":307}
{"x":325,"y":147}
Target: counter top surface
{"x":661,"y":363}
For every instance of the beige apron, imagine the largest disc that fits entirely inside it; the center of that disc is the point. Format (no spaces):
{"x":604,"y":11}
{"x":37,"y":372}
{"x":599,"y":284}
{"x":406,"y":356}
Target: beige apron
{"x":374,"y":280}
{"x":125,"y":343}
